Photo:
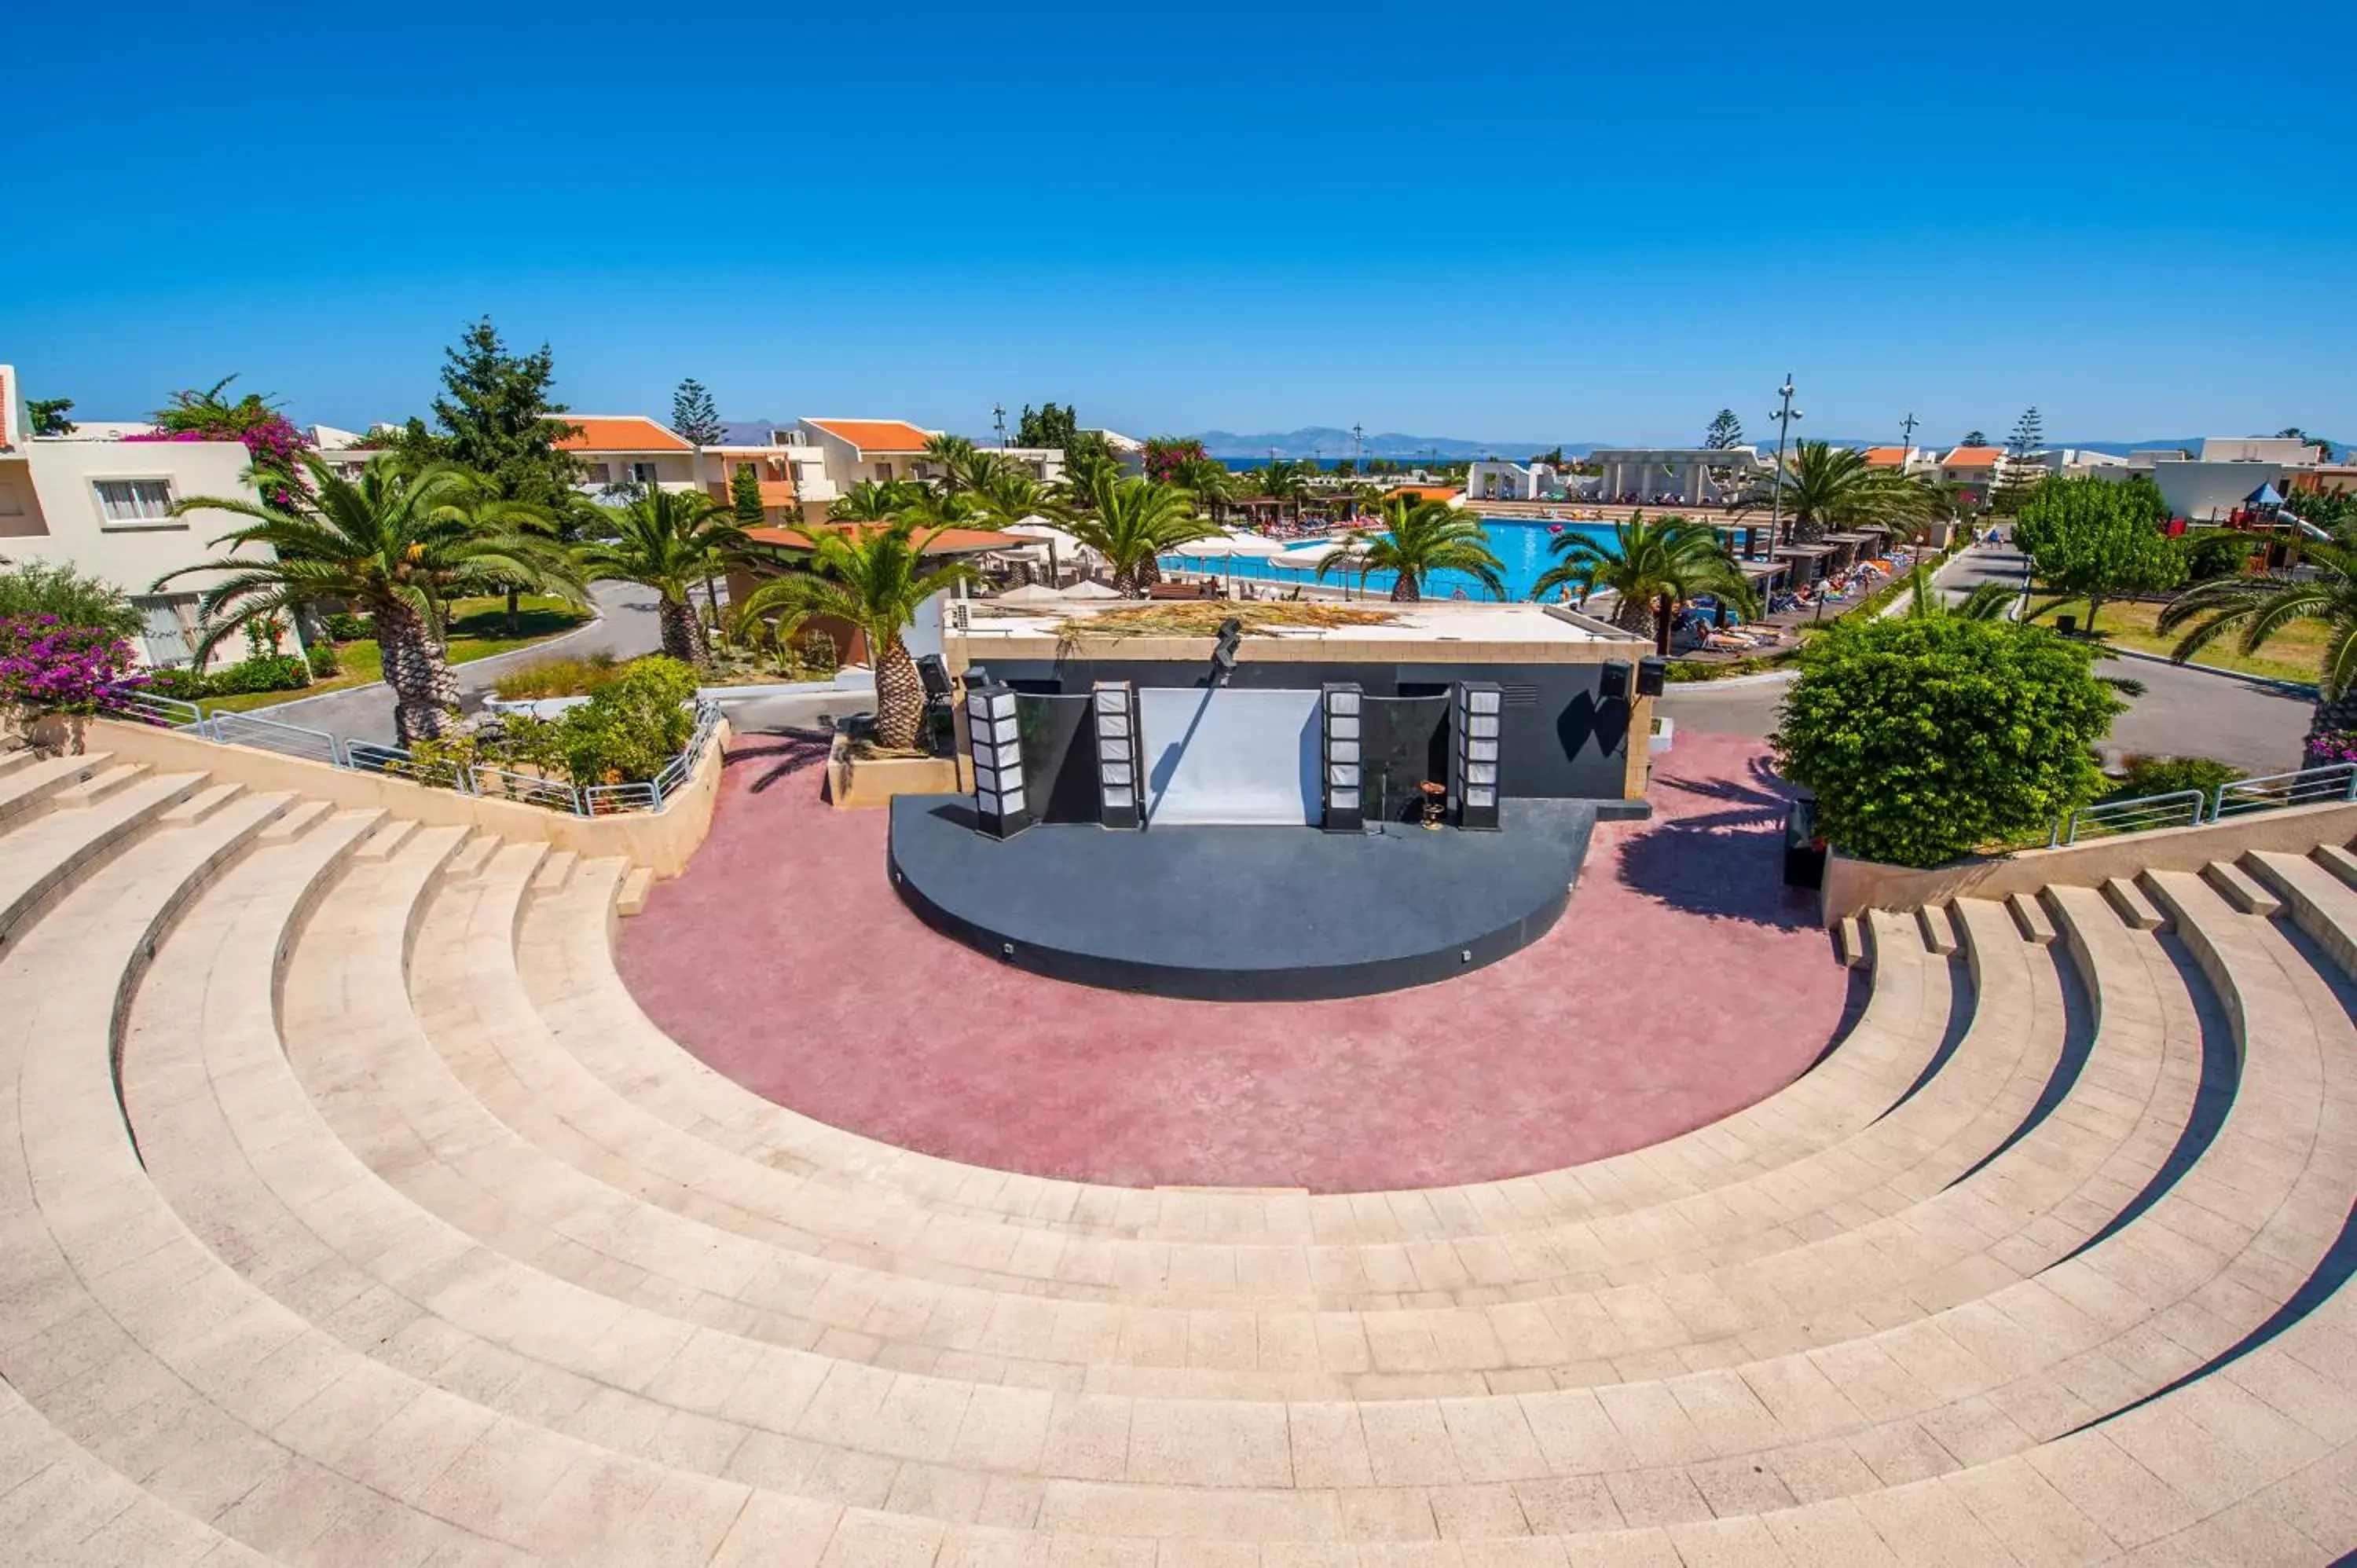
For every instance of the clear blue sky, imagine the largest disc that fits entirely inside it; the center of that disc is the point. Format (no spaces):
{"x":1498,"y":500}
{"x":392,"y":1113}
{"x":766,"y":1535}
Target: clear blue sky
{"x":1499,"y":222}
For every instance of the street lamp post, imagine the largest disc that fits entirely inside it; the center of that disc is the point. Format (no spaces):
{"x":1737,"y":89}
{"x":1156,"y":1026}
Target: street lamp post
{"x":1358,"y":446}
{"x":1785,"y":415}
{"x":999,"y":417}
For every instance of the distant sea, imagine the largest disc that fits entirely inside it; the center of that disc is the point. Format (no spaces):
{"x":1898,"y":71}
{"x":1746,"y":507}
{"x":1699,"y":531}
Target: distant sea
{"x":1239,"y":465}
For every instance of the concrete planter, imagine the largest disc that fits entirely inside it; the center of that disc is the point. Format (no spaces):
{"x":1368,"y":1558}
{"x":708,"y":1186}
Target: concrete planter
{"x":865,"y":784}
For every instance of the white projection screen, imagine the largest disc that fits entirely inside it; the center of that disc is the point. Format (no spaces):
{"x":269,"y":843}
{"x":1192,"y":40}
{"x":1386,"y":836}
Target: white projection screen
{"x":1232,"y":756}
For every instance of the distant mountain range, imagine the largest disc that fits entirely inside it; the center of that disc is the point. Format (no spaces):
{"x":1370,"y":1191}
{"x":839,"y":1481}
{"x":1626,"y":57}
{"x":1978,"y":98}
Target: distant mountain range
{"x":1327,"y":443}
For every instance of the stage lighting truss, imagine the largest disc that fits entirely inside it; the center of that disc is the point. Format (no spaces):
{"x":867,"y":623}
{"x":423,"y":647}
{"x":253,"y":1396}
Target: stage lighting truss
{"x":1120,"y":773}
{"x":1342,"y":757}
{"x":994,"y":735}
{"x":1479,"y":706}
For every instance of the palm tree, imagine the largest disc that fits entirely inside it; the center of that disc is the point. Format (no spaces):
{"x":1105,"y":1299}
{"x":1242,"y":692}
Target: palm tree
{"x":1134,"y":521}
{"x":1826,"y":487}
{"x":394,"y":543}
{"x":1421,"y":537}
{"x":1652,"y":567}
{"x":874,"y":500}
{"x":1284,"y":482}
{"x":1009,"y":497}
{"x":670,"y":541}
{"x":875,"y":578}
{"x":1985,"y":601}
{"x":1211,"y":480}
{"x":1090,"y":476}
{"x":2259,"y":605}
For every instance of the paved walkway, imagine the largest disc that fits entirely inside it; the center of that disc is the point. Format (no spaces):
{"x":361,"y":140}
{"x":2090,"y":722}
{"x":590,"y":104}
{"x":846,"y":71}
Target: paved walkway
{"x":626,"y":627}
{"x":1680,"y":985}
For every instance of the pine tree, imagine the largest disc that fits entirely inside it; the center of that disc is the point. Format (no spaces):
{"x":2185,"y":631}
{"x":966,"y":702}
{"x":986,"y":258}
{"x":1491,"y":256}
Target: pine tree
{"x":1726,"y":431}
{"x":47,"y":415}
{"x":1048,"y":426}
{"x":497,"y":419}
{"x":693,"y":415}
{"x":745,"y":497}
{"x":2021,"y":476}
{"x":1975,"y":438}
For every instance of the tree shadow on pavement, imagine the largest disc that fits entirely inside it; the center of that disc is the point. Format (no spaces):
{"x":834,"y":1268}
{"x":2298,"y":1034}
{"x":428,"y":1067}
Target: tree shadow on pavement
{"x":1728,"y":860}
{"x":778,"y":755}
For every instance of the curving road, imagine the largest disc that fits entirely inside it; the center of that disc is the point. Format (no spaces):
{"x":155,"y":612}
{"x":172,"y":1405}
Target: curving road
{"x":626,"y":627}
{"x":2183,"y":711}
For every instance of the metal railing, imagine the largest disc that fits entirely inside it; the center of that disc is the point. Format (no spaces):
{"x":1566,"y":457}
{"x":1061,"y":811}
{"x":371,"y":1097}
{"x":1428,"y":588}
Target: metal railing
{"x":226,"y":728}
{"x":2308,"y":787}
{"x":2318,"y":786}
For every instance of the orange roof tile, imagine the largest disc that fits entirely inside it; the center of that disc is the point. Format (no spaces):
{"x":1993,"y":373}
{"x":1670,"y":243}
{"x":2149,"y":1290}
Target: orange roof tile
{"x":1972,"y":457}
{"x":1886,"y":457}
{"x":874,"y":434}
{"x":941,"y":541}
{"x":628,"y":433}
{"x":1423,"y":492}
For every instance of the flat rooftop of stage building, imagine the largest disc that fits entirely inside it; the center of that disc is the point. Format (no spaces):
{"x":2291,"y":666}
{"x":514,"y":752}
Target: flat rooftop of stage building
{"x":1442,"y":630}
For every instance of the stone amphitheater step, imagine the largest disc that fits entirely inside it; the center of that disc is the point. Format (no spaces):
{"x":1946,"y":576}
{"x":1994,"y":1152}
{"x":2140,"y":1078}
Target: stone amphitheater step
{"x":533,"y":1096}
{"x":145,"y":1349}
{"x":31,"y":781}
{"x":1400,"y":1431}
{"x":40,"y":856}
{"x":567,"y":965}
{"x":101,"y":782}
{"x":456,"y":950}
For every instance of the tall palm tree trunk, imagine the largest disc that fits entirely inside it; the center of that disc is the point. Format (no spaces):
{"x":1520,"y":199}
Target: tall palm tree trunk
{"x":1633,"y":613}
{"x":515,"y":617}
{"x":1663,"y":624}
{"x":682,"y":632}
{"x":900,"y":696}
{"x":424,"y":689}
{"x":1405,"y":589}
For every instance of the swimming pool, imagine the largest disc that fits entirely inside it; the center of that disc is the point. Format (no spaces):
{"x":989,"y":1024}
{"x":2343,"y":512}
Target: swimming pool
{"x":1522,"y":547}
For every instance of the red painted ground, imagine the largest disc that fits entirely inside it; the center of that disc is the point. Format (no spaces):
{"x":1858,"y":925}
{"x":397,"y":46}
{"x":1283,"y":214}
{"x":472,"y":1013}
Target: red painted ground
{"x":1678,"y":987}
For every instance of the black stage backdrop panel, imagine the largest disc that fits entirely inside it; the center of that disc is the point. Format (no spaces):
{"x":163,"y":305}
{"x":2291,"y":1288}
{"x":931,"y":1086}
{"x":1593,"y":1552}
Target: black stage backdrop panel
{"x":1562,"y":739}
{"x":1406,"y":743}
{"x":1059,"y":757}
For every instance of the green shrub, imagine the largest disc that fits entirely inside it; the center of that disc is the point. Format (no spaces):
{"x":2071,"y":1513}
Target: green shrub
{"x":180,"y":682}
{"x":2167,"y":775}
{"x":266,"y":672}
{"x":629,"y":730}
{"x":1924,"y":738}
{"x":2216,"y":553}
{"x":345,"y":626}
{"x":76,"y":598}
{"x":325,"y":665}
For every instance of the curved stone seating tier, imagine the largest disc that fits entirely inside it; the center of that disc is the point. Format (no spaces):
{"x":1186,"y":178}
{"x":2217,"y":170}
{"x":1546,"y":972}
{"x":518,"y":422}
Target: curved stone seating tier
{"x":337,"y":1234}
{"x":1426,"y":1350}
{"x":568,"y":969}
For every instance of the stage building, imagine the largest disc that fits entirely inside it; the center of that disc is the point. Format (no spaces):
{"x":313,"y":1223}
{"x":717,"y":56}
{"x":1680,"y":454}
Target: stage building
{"x":1316,"y":811}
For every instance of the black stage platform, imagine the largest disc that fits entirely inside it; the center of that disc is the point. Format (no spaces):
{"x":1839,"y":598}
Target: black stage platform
{"x":1241,"y":914}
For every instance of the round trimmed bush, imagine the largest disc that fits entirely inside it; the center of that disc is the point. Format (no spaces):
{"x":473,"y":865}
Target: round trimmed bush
{"x":1926,"y":737}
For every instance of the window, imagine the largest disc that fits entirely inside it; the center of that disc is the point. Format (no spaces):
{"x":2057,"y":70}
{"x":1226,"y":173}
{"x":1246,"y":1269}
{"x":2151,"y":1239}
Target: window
{"x":883,"y":472}
{"x":168,"y":633}
{"x":644,"y":472}
{"x":598,"y":473}
{"x":135,"y":500}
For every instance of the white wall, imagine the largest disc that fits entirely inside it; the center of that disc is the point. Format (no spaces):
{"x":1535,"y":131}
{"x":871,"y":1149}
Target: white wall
{"x":1230,"y":756}
{"x":64,"y":521}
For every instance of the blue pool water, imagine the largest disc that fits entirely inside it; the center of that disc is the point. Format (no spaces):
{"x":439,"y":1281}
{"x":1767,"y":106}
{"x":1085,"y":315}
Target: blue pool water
{"x":1521,"y":546}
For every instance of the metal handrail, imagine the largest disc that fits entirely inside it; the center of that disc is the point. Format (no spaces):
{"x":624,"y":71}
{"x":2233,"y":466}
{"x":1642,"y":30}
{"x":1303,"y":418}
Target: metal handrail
{"x":2174,"y":809}
{"x":225,"y":728}
{"x":2308,"y":786}
{"x":275,"y":734}
{"x":154,"y":708}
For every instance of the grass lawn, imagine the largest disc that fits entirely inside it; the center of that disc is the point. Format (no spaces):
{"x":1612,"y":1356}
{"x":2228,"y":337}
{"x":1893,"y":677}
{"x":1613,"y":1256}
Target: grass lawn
{"x":2292,"y":654}
{"x":478,"y":629}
